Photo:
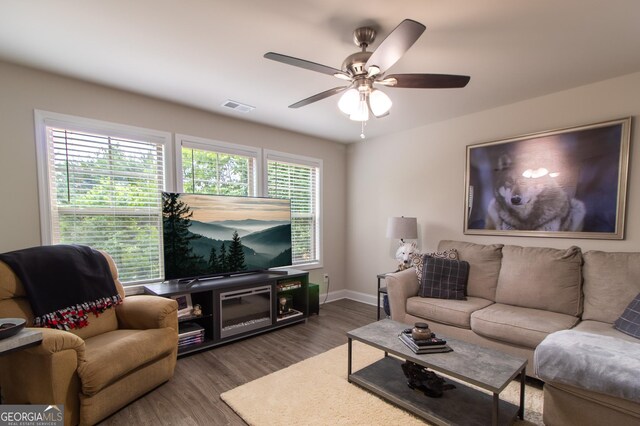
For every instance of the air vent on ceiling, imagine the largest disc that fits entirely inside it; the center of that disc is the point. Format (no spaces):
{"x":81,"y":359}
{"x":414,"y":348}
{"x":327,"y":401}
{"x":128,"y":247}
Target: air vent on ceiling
{"x":237,"y":106}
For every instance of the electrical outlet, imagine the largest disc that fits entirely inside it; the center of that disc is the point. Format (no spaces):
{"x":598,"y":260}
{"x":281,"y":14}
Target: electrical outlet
{"x":326,"y":279}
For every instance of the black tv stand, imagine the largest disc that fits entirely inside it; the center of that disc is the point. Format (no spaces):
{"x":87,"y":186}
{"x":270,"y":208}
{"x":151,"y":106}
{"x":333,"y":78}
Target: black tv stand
{"x":237,"y":306}
{"x":188,"y":282}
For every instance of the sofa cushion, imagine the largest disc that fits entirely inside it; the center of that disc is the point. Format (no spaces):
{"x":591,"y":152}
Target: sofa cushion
{"x":611,"y":280}
{"x":541,"y":278}
{"x":519,"y":326}
{"x":484,"y":266}
{"x":600,"y":364}
{"x":443,"y":278}
{"x":629,"y":321}
{"x":417,"y":259}
{"x":114,"y":354}
{"x":446,"y":311}
{"x":602,"y":328}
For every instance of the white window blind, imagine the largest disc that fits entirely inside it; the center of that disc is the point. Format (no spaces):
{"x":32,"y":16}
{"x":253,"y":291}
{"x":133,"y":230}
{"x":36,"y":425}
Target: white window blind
{"x":298,"y":182}
{"x":104,"y":192}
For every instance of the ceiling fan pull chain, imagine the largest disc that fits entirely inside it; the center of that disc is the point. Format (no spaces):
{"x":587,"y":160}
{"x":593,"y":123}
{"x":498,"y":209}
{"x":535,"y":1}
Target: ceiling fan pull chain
{"x":362,"y":129}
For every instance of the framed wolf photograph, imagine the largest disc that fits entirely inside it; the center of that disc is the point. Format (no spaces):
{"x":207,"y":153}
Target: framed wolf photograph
{"x":568,"y":183}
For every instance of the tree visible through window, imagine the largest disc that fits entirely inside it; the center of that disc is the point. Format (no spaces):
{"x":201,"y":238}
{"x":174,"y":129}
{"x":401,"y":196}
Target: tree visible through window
{"x":105,"y":193}
{"x":211,"y":172}
{"x":103,"y":184}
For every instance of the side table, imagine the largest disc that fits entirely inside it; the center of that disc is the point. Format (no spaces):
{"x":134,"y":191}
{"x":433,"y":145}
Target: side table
{"x":381,"y":291}
{"x":25,"y":338}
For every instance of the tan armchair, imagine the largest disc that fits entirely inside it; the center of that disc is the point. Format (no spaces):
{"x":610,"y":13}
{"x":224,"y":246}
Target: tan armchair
{"x":96,"y":370}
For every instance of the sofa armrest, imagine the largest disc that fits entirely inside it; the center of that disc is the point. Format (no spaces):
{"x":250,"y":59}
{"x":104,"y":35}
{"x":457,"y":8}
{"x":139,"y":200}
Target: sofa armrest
{"x":401,"y":286}
{"x":146,"y":312}
{"x":45,"y":373}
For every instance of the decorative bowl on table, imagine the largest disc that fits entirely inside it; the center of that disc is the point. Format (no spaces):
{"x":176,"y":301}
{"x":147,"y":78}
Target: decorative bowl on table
{"x":11,"y":326}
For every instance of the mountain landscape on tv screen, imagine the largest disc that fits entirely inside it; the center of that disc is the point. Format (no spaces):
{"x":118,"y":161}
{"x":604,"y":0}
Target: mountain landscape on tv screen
{"x":195,"y":247}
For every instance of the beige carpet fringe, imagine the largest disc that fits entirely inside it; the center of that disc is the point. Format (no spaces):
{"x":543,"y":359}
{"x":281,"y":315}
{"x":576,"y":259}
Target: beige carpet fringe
{"x":316,"y":392}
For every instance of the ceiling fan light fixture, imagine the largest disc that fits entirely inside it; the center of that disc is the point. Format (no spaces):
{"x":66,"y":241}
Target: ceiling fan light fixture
{"x":362,"y":111}
{"x":349,"y":101}
{"x":380,"y":102}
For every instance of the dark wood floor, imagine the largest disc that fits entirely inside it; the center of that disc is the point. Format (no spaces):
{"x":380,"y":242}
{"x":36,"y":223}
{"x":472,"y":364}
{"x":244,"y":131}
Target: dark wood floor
{"x":192,"y":397}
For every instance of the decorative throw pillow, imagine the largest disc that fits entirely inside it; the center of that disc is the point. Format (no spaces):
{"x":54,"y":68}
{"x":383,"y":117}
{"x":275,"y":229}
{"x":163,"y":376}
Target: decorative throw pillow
{"x":417,"y":261}
{"x":629,"y":321}
{"x":444,"y":278}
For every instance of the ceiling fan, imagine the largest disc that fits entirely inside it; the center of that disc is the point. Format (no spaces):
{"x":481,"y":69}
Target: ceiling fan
{"x":364,"y":70}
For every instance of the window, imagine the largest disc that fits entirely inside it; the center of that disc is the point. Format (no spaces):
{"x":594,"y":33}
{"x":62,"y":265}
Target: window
{"x":100,"y":185}
{"x":298,"y":178}
{"x":210,"y":167}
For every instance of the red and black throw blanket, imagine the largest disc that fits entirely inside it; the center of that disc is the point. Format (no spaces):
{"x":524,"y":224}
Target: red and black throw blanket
{"x":64,"y":283}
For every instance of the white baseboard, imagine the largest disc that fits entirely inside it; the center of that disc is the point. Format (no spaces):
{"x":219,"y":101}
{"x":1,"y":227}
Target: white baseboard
{"x":350,"y":294}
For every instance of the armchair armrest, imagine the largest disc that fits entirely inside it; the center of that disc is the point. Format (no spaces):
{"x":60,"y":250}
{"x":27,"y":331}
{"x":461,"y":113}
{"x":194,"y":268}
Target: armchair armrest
{"x":400,"y":286}
{"x":54,"y":341}
{"x":145,"y":312}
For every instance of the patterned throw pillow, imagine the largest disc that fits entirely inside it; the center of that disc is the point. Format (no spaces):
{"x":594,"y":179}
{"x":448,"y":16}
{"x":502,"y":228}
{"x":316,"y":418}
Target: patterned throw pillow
{"x":444,"y":278}
{"x":629,"y":321}
{"x":417,"y":261}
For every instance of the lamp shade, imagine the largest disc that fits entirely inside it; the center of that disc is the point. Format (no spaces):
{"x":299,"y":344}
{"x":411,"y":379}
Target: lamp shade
{"x":349,"y":101}
{"x":380,"y":102}
{"x":402,"y":228}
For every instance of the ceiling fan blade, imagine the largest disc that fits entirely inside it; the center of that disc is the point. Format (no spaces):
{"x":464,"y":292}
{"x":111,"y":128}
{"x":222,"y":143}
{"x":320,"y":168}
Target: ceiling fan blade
{"x":319,"y":96}
{"x":308,"y":65}
{"x":396,"y":44}
{"x":425,"y":81}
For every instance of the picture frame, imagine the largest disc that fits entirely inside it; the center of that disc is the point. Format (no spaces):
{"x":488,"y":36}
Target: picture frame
{"x":185,"y":305}
{"x":566,"y":183}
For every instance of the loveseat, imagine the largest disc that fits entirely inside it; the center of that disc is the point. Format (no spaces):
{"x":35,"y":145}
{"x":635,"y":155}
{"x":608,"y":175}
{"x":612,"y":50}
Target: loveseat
{"x":94,"y":371}
{"x":518,"y":296}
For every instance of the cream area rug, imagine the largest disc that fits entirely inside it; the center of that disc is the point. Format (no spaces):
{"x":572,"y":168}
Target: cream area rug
{"x":316,"y":392}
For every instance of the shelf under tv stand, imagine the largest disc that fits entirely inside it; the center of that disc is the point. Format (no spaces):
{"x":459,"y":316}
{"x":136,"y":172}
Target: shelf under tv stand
{"x":221,"y":300}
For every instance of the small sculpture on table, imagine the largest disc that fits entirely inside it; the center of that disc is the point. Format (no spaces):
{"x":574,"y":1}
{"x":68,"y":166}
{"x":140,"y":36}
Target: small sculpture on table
{"x":404,"y":255}
{"x":283,"y":307}
{"x":427,"y":381}
{"x":197,"y":311}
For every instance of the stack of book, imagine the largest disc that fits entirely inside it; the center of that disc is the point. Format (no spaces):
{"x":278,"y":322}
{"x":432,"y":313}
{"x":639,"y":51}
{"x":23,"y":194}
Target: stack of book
{"x":190,"y":334}
{"x":426,"y":346}
{"x":289,"y":285}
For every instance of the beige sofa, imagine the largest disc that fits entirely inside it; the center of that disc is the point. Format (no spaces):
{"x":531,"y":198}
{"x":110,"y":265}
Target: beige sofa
{"x":517,"y":296}
{"x":95,"y":370}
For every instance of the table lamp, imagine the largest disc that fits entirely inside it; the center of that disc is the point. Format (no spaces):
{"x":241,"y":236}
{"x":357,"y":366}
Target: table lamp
{"x":402,"y":227}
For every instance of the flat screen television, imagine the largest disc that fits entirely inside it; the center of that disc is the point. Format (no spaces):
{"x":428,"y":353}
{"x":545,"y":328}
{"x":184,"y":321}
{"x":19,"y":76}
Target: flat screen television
{"x":217,"y":235}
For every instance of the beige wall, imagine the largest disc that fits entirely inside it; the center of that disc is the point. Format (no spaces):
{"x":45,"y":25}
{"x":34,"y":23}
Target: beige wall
{"x":362,"y":188}
{"x":426,"y":176}
{"x":22,"y":90}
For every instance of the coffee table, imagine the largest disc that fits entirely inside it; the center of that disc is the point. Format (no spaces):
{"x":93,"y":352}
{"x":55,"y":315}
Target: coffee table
{"x":487,"y":369}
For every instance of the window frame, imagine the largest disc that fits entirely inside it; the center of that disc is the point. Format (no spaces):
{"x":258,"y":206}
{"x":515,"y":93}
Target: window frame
{"x":272,"y":155}
{"x":44,"y":119}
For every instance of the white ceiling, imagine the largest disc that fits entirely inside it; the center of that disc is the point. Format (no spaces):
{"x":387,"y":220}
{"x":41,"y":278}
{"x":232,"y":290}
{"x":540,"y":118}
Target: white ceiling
{"x":203,"y":52}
